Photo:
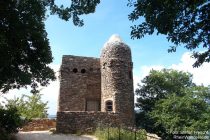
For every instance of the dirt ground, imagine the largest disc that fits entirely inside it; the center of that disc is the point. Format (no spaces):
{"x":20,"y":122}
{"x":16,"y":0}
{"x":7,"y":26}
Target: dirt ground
{"x":46,"y":135}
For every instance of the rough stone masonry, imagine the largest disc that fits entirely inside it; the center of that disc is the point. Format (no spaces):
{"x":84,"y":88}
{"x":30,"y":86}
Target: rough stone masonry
{"x":96,"y":91}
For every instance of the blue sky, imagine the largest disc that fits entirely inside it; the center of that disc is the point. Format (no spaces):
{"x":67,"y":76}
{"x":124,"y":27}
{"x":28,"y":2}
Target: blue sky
{"x":111,"y":17}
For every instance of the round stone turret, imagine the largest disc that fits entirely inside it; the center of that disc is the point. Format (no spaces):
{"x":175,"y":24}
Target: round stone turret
{"x":116,"y":79}
{"x":115,"y":48}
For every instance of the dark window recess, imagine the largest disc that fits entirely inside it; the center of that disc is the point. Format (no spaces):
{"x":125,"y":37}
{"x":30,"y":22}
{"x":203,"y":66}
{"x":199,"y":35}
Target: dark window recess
{"x":131,"y":64}
{"x":83,"y":70}
{"x":130,"y":75}
{"x":75,"y":70}
{"x":109,"y":106}
{"x":104,"y":65}
{"x":110,"y":64}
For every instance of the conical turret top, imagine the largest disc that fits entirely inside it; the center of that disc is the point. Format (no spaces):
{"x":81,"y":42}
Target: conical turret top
{"x":116,"y":48}
{"x":115,"y":38}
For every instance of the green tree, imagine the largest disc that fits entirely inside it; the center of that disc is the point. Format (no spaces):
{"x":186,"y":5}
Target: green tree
{"x":24,"y":46}
{"x":29,"y":106}
{"x":158,"y":84}
{"x":184,"y":22}
{"x":188,"y":112}
{"x":159,"y":87}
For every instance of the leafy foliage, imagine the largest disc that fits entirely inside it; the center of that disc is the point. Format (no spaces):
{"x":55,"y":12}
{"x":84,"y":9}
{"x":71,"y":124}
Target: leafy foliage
{"x":158,"y":84}
{"x":24,"y":46}
{"x":169,"y":101}
{"x":189,"y":111}
{"x":29,"y":106}
{"x":9,"y":122}
{"x":182,"y":21}
{"x":16,"y":112}
{"x":75,"y":9}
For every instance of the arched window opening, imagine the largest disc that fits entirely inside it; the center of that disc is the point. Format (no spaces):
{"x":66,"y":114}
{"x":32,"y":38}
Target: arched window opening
{"x":75,"y":70}
{"x":104,"y":65}
{"x":109,"y":105}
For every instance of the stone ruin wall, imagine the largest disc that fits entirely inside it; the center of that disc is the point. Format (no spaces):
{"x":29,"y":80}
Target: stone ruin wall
{"x":84,"y":122}
{"x":39,"y":124}
{"x":80,"y":81}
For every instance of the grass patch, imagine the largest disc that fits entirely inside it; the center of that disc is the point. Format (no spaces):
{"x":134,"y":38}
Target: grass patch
{"x":119,"y":133}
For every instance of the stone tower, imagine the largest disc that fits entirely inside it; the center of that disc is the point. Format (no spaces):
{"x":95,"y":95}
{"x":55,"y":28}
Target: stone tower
{"x":116,"y":80}
{"x":96,"y":90}
{"x":80,"y":84}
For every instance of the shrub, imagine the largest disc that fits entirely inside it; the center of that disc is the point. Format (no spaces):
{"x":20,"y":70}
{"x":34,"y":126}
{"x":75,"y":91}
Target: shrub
{"x":10,"y":121}
{"x":29,"y":106}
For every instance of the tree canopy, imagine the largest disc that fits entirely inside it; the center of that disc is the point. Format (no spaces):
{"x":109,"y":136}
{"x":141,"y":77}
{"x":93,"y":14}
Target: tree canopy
{"x":158,"y":84}
{"x":184,"y":22}
{"x":187,"y":113}
{"x":29,"y":106}
{"x":24,"y":46}
{"x":169,"y":101}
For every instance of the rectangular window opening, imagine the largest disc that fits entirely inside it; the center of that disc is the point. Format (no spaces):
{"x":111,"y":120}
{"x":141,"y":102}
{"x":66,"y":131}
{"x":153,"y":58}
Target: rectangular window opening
{"x":92,"y":105}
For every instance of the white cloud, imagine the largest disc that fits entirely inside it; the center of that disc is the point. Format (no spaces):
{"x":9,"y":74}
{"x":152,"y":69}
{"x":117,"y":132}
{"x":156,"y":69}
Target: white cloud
{"x":200,"y":74}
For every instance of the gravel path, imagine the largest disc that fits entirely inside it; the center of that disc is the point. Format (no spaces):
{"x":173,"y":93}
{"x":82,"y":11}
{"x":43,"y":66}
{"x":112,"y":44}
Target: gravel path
{"x":46,"y":135}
